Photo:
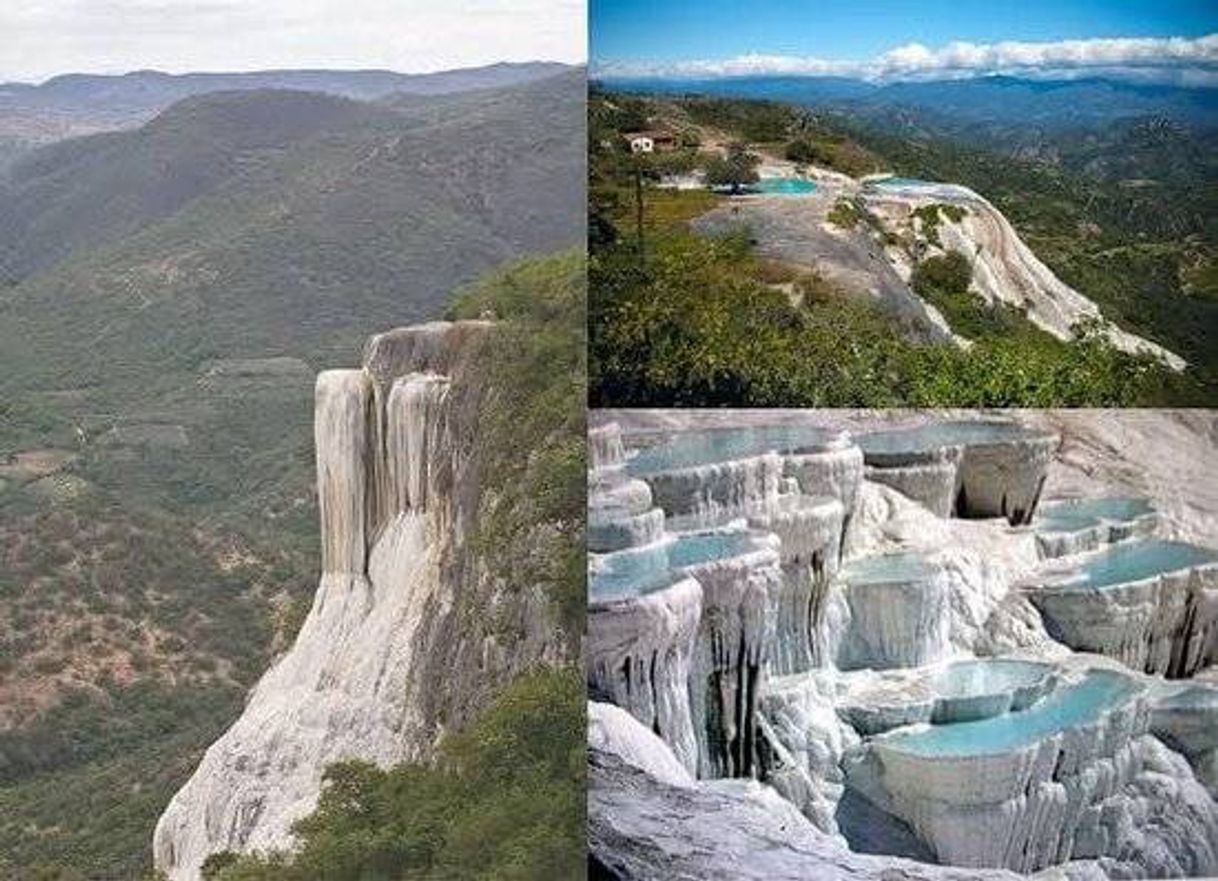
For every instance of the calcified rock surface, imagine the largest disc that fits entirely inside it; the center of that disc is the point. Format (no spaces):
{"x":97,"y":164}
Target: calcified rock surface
{"x":909,"y":699}
{"x":397,"y":491}
{"x":1004,"y":268}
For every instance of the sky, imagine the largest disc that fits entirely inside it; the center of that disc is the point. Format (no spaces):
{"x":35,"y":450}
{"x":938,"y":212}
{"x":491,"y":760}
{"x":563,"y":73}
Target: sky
{"x":904,"y":40}
{"x":43,"y":38}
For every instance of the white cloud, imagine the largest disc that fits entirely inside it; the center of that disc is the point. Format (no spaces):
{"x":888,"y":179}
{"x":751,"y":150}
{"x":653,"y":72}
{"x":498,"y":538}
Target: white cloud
{"x":1179,"y":59}
{"x":42,"y":38}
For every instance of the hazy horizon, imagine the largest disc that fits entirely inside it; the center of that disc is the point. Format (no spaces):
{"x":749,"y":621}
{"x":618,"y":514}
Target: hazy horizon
{"x":111,"y":37}
{"x":275,"y":70}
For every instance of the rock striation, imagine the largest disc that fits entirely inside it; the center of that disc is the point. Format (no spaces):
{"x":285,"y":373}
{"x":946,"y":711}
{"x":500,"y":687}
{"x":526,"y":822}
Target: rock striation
{"x":1152,"y":604}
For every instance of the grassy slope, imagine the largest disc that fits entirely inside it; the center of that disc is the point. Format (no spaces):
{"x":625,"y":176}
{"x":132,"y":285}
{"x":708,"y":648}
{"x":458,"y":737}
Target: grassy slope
{"x":303,"y":251}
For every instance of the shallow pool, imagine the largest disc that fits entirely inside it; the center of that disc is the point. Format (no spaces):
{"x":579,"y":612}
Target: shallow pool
{"x":888,"y":569}
{"x":1073,"y":515}
{"x":639,"y":571}
{"x":1069,"y":707}
{"x":925,"y":438}
{"x":1134,"y":561}
{"x":784,"y":186}
{"x":688,"y":449}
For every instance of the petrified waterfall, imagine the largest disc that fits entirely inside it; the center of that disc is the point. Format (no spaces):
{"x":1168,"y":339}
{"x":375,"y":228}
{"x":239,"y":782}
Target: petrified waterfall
{"x":396,"y":489}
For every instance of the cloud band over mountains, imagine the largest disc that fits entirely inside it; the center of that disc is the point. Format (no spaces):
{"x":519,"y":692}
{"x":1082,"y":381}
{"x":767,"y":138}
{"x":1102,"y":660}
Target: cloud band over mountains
{"x":1181,"y":60}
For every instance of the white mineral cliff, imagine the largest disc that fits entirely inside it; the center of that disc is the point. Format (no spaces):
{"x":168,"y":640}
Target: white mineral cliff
{"x":393,"y":482}
{"x":1004,"y":268}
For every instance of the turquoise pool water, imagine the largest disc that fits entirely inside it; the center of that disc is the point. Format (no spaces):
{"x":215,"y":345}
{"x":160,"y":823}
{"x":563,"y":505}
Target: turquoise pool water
{"x":1068,"y":707}
{"x":1076,"y":514}
{"x":888,"y":569}
{"x":784,"y":186}
{"x":1134,"y":561}
{"x":692,"y":448}
{"x":926,"y":438}
{"x":640,"y":571}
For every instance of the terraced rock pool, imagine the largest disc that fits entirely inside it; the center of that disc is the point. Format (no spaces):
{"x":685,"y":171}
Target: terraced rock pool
{"x":784,"y":186}
{"x":640,"y":571}
{"x":689,"y":449}
{"x":1074,"y":515}
{"x":1072,"y":706}
{"x":934,"y":436}
{"x":1139,"y":560}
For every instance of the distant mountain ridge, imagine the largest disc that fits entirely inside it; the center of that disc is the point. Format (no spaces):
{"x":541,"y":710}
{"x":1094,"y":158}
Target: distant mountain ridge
{"x":378,"y":211}
{"x":76,"y":103}
{"x":978,"y":100}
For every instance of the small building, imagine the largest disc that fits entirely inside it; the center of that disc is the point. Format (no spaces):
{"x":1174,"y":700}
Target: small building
{"x":655,"y":141}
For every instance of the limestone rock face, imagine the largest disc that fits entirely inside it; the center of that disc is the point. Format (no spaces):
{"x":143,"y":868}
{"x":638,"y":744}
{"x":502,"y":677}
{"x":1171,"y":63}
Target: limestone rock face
{"x":640,"y":654}
{"x":1004,"y":268}
{"x":642,"y":829}
{"x":397,"y":491}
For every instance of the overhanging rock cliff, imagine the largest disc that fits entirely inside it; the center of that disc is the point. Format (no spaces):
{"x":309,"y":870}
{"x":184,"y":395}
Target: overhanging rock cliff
{"x":399,"y":487}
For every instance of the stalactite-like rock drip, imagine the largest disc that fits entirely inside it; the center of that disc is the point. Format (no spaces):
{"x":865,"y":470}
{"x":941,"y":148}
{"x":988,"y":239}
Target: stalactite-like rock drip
{"x":931,"y":481}
{"x":808,"y":617}
{"x":396,"y":482}
{"x":1165,"y":624}
{"x":1004,"y":478}
{"x":705,"y":495}
{"x":342,"y":406}
{"x":898,"y":613}
{"x":735,"y":633}
{"x":973,"y":470}
{"x":640,"y":654}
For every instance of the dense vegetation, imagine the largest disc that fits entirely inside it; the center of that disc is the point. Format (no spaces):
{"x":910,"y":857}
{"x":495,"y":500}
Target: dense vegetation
{"x":504,"y":801}
{"x":169,"y":549}
{"x":538,"y":368}
{"x":692,"y":321}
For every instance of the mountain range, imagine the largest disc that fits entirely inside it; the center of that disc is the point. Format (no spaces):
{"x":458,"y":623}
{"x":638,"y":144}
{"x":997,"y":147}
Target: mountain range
{"x":977,"y":101}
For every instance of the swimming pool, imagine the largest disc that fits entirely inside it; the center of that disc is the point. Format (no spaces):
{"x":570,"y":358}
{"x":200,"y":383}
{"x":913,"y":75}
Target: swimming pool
{"x":784,"y":186}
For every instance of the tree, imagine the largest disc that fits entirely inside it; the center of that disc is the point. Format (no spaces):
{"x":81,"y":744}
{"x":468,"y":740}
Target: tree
{"x":736,"y":170}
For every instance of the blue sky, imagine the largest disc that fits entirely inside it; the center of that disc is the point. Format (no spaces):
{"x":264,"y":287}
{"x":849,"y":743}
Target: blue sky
{"x":662,"y":33}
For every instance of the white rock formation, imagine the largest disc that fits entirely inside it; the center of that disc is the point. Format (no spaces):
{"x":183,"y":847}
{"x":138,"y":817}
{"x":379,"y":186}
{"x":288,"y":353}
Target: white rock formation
{"x":1126,"y":792}
{"x":1164,"y":623}
{"x":640,"y":655}
{"x":358,"y":683}
{"x":1004,"y":268}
